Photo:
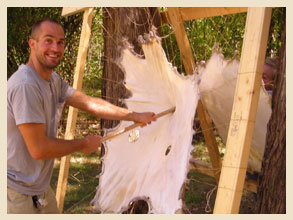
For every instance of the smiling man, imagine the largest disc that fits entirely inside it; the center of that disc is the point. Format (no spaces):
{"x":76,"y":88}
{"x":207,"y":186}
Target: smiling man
{"x":47,"y":47}
{"x":36,"y":96}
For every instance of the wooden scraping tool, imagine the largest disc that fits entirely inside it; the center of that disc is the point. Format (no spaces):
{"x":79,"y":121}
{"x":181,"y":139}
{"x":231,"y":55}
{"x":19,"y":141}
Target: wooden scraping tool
{"x":135,"y":125}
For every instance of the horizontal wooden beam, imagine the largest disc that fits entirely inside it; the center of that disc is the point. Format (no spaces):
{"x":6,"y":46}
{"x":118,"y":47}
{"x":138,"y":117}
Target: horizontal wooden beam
{"x":67,"y":11}
{"x":203,"y":12}
{"x":206,"y":12}
{"x":204,"y":168}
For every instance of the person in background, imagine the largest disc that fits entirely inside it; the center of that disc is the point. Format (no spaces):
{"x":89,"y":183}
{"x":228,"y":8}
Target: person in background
{"x":36,"y":96}
{"x":269,"y":73}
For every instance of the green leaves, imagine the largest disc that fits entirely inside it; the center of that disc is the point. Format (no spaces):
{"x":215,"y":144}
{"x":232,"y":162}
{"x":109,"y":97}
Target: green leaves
{"x":227,"y":31}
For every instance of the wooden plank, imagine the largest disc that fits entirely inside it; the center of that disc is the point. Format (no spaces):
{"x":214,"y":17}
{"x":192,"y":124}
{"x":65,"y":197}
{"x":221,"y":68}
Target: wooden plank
{"x":134,"y":125}
{"x":206,"y":169}
{"x":203,"y":12}
{"x":206,"y":12}
{"x":202,"y":167}
{"x":250,"y":185}
{"x":244,"y":111}
{"x":182,"y":40}
{"x":211,"y":143}
{"x":67,"y":11}
{"x":72,"y":115}
{"x":189,"y":64}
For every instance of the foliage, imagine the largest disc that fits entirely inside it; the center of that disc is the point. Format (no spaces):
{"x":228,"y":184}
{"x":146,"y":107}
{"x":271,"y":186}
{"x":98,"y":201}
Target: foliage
{"x":94,"y":65}
{"x":274,"y":41}
{"x":227,"y":31}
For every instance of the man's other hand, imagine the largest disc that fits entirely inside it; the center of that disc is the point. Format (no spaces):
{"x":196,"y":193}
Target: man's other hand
{"x":92,"y":143}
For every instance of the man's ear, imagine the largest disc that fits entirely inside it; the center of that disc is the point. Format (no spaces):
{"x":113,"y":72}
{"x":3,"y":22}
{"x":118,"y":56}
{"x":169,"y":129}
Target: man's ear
{"x":31,"y":43}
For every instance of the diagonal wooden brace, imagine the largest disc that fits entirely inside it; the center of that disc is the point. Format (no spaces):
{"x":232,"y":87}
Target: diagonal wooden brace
{"x":181,"y":37}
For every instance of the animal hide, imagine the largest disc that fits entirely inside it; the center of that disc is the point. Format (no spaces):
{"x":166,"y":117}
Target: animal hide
{"x":217,"y":87}
{"x":144,"y":170}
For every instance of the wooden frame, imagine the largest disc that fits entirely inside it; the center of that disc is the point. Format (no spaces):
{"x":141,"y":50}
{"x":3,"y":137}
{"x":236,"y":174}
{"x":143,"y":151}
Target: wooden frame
{"x":232,"y":180}
{"x":72,"y":10}
{"x":244,"y":111}
{"x":204,"y":168}
{"x":233,"y":187}
{"x":189,"y":64}
{"x":187,"y":14}
{"x":72,"y":114}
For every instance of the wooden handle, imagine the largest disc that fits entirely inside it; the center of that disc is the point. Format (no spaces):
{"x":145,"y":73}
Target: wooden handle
{"x":135,"y":125}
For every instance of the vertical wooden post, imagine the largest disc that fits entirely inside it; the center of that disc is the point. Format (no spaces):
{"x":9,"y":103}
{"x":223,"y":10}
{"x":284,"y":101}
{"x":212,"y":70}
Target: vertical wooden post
{"x":72,"y":115}
{"x":244,"y":111}
{"x":188,"y":62}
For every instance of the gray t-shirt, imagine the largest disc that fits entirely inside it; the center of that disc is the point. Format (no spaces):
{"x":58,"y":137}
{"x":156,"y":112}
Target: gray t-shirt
{"x":31,"y":99}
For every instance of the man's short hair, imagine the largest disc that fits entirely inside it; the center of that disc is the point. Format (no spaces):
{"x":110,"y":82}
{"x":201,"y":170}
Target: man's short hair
{"x":273,"y":62}
{"x":36,"y":26}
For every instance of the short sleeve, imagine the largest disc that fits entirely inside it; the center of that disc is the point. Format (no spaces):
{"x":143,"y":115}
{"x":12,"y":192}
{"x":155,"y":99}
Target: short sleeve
{"x":26,"y":104}
{"x":66,"y":90}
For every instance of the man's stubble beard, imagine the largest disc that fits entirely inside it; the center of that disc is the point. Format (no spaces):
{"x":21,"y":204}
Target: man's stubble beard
{"x":42,"y":60}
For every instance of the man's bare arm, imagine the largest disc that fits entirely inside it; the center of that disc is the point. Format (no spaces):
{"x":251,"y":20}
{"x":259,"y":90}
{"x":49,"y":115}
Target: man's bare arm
{"x":106,"y":110}
{"x":42,"y":147}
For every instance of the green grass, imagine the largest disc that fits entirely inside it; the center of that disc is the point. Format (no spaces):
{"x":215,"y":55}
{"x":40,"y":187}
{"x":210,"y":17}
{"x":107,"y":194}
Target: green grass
{"x":196,"y":192}
{"x":192,"y":198}
{"x":82,"y":182}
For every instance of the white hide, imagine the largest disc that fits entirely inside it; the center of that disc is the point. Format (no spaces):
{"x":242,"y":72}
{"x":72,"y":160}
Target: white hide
{"x":218,"y":79}
{"x":140,"y":169}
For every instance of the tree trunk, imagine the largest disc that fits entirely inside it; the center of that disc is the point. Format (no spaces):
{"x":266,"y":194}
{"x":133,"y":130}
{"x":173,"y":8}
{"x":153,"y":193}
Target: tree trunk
{"x":122,"y":24}
{"x":272,"y":180}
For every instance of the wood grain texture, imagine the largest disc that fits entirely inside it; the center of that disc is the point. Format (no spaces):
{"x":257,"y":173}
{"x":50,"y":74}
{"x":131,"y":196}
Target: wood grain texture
{"x":72,"y":114}
{"x":189,"y":64}
{"x":191,"y":13}
{"x":244,"y":111}
{"x":67,"y":11}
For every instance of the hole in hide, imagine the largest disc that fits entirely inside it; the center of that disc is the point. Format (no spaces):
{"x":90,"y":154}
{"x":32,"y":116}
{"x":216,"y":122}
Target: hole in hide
{"x":133,"y":136}
{"x":137,"y":207}
{"x":168,"y":150}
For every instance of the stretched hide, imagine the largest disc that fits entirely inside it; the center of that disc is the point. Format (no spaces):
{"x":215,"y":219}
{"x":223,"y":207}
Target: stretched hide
{"x":144,"y":169}
{"x":218,"y":79}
